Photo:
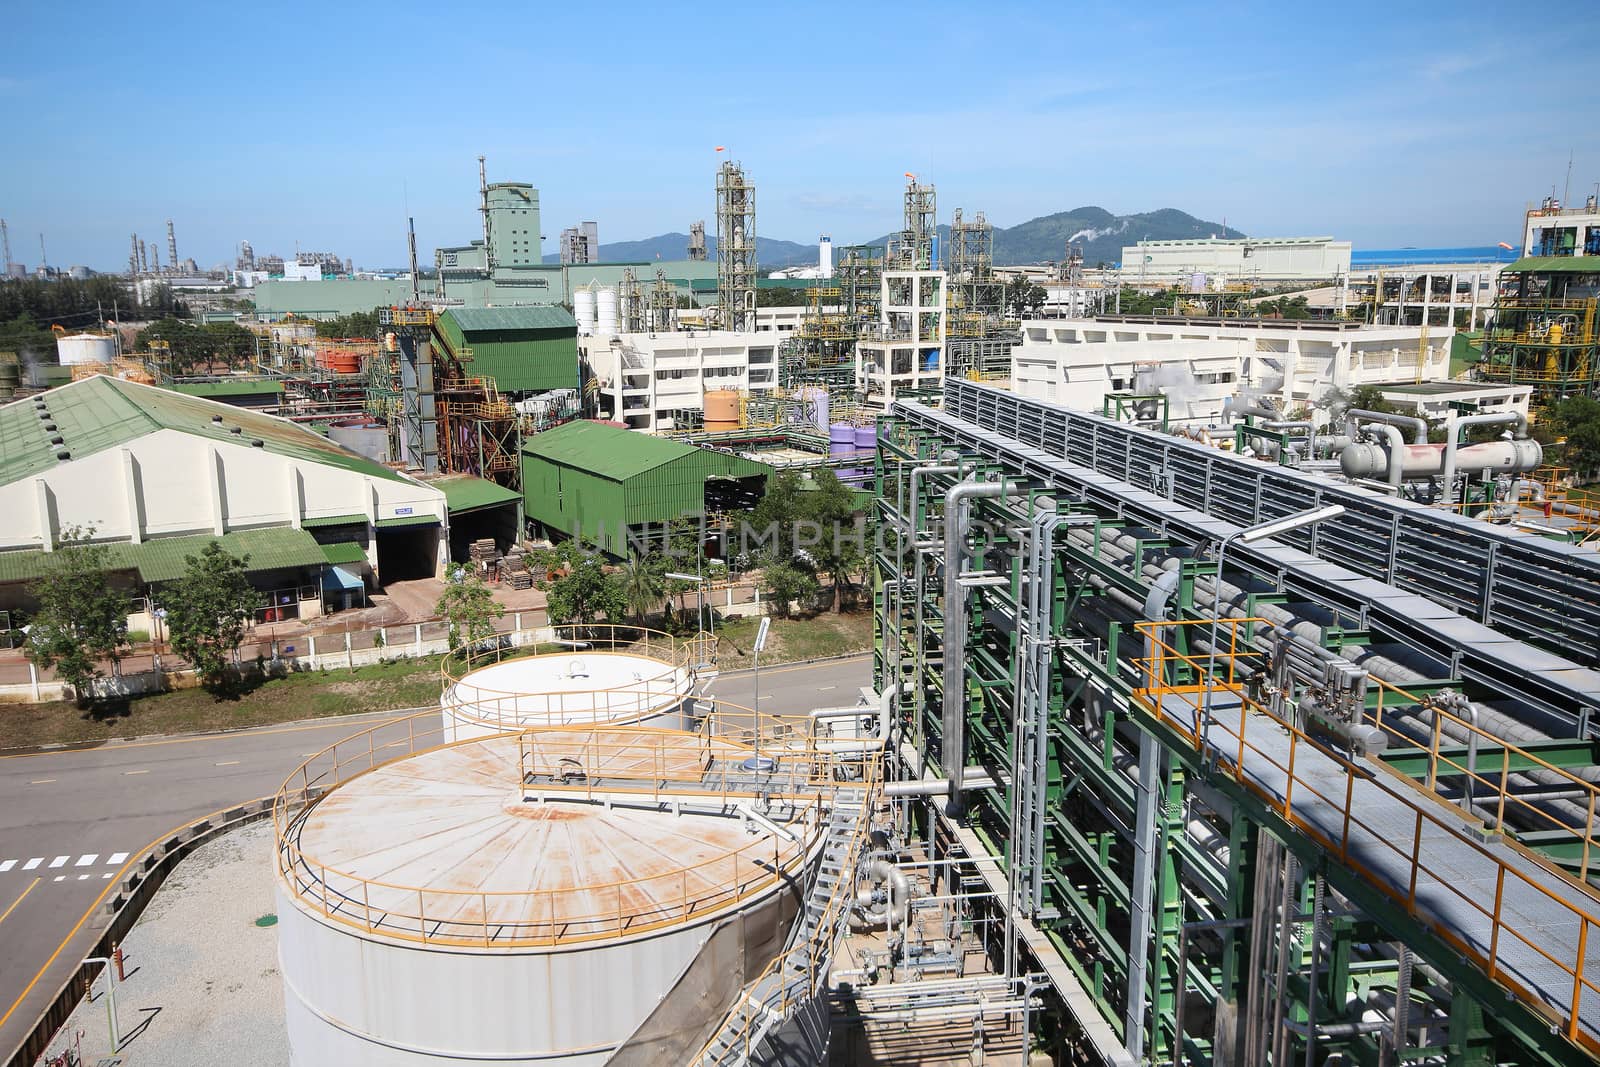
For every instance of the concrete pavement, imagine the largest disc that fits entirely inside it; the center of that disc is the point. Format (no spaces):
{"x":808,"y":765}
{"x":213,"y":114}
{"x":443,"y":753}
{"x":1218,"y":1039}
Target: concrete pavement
{"x":81,"y":813}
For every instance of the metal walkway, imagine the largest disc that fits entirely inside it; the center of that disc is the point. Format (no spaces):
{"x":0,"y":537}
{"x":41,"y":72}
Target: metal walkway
{"x":1541,"y":591}
{"x":1530,"y":927}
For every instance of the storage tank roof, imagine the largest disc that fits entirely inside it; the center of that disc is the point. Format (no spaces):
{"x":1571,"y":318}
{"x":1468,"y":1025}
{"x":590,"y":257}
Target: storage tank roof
{"x":441,"y":848}
{"x":578,"y":688}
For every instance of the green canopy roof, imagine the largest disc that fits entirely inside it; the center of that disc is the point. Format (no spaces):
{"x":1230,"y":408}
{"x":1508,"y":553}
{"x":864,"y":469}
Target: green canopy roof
{"x":463,"y":492}
{"x":165,"y":558}
{"x":1556,"y":265}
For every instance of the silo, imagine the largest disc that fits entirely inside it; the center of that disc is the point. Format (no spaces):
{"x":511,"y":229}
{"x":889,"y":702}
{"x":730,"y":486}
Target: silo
{"x":722,"y":410}
{"x":635,"y":676}
{"x":525,"y":899}
{"x":606,"y":313}
{"x":583,"y":311}
{"x":80,"y":348}
{"x":814,"y":406}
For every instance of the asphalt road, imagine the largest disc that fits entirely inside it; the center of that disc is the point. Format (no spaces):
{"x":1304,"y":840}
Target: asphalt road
{"x":70,"y":819}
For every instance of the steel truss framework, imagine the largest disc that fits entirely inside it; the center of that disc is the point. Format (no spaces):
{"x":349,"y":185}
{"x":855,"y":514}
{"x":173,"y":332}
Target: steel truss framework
{"x":1149,"y":866}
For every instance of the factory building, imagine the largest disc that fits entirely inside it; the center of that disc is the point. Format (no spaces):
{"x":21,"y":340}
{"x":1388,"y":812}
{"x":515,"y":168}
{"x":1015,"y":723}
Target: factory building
{"x":1199,"y":364}
{"x":522,"y":349}
{"x":660,"y":381}
{"x":157,"y":474}
{"x":905,"y":352}
{"x":1238,"y":258}
{"x":617,"y":488}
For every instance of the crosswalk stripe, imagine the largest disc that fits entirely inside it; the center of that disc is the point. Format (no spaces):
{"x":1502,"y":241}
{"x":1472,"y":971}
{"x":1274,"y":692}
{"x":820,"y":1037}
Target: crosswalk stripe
{"x":7,"y":865}
{"x":87,"y":859}
{"x":31,"y":864}
{"x":106,"y":875}
{"x":59,"y":861}
{"x":117,"y":857}
{"x":59,"y":878}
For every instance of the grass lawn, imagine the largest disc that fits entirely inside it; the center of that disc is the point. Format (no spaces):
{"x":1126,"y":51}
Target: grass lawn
{"x":405,"y":683}
{"x":824,"y":634}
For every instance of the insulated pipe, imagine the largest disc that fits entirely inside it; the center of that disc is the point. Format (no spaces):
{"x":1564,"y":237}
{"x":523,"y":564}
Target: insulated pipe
{"x":974,"y":778}
{"x":1457,"y":425}
{"x":1397,"y":450}
{"x":896,"y":905}
{"x":1418,"y":427}
{"x":953,"y":743}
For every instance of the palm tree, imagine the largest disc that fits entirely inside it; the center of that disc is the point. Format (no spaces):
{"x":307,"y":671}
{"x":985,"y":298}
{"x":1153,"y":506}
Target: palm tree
{"x":643,"y":586}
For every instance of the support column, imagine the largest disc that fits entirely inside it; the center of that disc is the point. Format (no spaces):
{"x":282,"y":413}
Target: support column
{"x":1140,"y":891}
{"x":130,"y":495}
{"x":214,"y":484}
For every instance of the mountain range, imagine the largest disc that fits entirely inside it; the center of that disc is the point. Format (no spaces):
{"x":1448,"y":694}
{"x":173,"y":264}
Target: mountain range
{"x":1040,"y":240}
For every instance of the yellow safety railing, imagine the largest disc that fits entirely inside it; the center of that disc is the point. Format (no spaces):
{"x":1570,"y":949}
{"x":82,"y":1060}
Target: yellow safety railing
{"x":524,"y":918}
{"x":1235,"y":737}
{"x":648,"y":694}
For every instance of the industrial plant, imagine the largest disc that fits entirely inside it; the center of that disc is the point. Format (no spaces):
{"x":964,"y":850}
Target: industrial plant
{"x":1234,"y":672}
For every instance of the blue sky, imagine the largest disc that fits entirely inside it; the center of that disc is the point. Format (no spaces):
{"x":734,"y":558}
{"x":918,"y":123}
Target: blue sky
{"x":326,"y":124}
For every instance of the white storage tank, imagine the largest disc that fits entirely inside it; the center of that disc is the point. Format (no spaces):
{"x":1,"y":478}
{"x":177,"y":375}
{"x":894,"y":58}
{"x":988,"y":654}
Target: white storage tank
{"x":645,"y":678}
{"x":583,"y":311}
{"x":486,"y":902}
{"x":77,"y":348}
{"x":606,"y":313}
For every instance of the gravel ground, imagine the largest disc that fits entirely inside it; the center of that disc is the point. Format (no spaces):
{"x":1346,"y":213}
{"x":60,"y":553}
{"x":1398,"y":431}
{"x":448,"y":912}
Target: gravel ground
{"x":202,"y":976}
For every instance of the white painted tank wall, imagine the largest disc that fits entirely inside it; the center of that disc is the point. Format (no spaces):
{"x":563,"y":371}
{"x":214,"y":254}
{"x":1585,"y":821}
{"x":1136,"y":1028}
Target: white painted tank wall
{"x":541,"y":691}
{"x":361,"y":1001}
{"x":78,"y":348}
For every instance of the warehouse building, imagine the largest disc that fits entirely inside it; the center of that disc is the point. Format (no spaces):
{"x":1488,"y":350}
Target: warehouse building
{"x":1239,"y":258}
{"x":157,"y":475}
{"x":611,"y":486}
{"x":523,"y":349}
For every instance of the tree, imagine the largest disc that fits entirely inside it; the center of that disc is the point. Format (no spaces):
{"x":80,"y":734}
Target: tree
{"x":468,"y":609}
{"x":841,"y":548}
{"x":1023,"y":298}
{"x":207,"y":611}
{"x":643,"y":584}
{"x":586,"y":591}
{"x":1577,"y":420}
{"x":81,"y":620}
{"x":785,"y":581}
{"x":358,"y":324}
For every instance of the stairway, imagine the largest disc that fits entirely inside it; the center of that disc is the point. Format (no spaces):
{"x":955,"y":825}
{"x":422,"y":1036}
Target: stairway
{"x":799,"y":973}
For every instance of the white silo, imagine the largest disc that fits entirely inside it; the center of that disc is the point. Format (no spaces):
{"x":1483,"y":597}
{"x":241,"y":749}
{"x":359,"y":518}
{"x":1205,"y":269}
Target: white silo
{"x":647,"y":678}
{"x":524,"y":898}
{"x":825,"y":256}
{"x":583,"y":311}
{"x":79,"y":348}
{"x":606,"y":312}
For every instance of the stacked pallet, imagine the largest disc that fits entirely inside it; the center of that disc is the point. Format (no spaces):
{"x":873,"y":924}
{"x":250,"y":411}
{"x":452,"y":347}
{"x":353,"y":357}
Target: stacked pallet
{"x":514,"y":572}
{"x":483,"y":551}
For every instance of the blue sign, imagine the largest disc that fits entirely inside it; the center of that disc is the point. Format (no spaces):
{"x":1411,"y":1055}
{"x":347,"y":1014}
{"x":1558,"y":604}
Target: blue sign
{"x":402,"y":511}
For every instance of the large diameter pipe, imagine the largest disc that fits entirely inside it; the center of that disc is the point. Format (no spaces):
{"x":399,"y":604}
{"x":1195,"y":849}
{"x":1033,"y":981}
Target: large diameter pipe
{"x":1421,"y":462}
{"x":1362,"y":459}
{"x":953,"y":745}
{"x":1418,"y":427}
{"x":1455,"y":460}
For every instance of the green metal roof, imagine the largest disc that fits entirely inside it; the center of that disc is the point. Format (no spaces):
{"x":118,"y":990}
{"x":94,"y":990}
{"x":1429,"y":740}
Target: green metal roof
{"x":535,"y":317}
{"x":356,"y":519}
{"x":231,"y":387}
{"x":1556,"y":265}
{"x":344,"y":552}
{"x":165,"y":558}
{"x":97,"y":413}
{"x":463,"y":492}
{"x":608,"y":451}
{"x":407,"y":520}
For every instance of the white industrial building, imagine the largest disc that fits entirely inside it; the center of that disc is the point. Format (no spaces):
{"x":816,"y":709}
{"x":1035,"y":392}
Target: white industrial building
{"x":1238,"y":258}
{"x":1198,"y":366}
{"x":659,"y":381}
{"x":157,"y":475}
{"x":906,"y":353}
{"x":1553,"y":230}
{"x":1437,"y":401}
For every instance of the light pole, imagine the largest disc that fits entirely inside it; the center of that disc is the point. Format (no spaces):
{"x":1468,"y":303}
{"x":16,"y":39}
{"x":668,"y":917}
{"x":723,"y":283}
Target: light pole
{"x":756,"y":761}
{"x":1249,"y":535}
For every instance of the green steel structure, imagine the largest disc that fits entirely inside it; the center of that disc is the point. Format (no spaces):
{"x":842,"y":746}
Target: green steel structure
{"x":1057,"y":632}
{"x":1544,"y":330}
{"x":521,"y":349}
{"x":618,"y":488}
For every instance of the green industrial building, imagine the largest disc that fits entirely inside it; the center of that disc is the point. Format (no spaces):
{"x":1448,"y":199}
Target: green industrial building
{"x":610,"y":485}
{"x":524,"y":349}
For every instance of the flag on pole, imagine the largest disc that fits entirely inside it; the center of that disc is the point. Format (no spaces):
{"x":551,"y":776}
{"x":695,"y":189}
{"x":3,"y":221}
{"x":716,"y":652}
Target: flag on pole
{"x":1505,"y":246}
{"x":720,"y":148}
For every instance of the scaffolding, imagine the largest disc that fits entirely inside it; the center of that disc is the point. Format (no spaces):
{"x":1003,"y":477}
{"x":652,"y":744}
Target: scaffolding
{"x":736,"y":248}
{"x":978,"y":335}
{"x":662,"y":314}
{"x":914,"y":247}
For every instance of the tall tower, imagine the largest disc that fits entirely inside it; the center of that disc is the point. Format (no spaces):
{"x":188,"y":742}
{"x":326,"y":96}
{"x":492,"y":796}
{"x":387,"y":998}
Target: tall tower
{"x":736,"y":248}
{"x":914,"y":250}
{"x":5,"y":250}
{"x":697,"y":240}
{"x":172,"y":247}
{"x":133,"y":255}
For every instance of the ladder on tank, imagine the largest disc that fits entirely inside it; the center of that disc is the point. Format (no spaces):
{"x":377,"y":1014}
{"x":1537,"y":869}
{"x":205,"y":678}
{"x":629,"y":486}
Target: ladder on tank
{"x":799,"y":972}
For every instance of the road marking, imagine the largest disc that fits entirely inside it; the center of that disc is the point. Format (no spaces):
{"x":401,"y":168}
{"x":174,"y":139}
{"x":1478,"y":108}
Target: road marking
{"x":41,"y":781}
{"x":59,"y":861}
{"x":825,"y":688}
{"x":227,"y":763}
{"x":59,"y":878}
{"x":7,"y":865}
{"x":87,"y":859}
{"x":108,"y":874}
{"x":31,"y":864}
{"x":136,"y":772}
{"x":14,"y":903}
{"x":117,"y":857}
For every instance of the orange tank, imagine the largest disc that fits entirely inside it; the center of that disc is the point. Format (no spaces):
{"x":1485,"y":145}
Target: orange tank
{"x":722,"y":410}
